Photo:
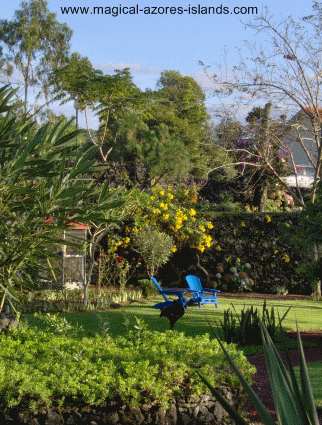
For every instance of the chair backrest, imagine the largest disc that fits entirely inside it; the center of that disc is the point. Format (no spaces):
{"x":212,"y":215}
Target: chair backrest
{"x":156,"y":283}
{"x":159,"y":288}
{"x":194,"y":283}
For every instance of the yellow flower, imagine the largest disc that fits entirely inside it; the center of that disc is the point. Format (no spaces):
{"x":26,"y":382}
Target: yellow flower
{"x":165,"y":216}
{"x":268,"y":218}
{"x":161,"y":192}
{"x":202,"y":228}
{"x":174,"y":249}
{"x":237,"y":260}
{"x":193,"y":219}
{"x":192,"y":212}
{"x":119,"y":243}
{"x":243,"y":224}
{"x":201,"y":248}
{"x":287,"y":225}
{"x":218,"y":248}
{"x":228,"y":260}
{"x":186,"y":192}
{"x":275,"y":252}
{"x":234,"y":232}
{"x":170,"y":196}
{"x":169,"y":188}
{"x":152,"y":198}
{"x":209,"y":225}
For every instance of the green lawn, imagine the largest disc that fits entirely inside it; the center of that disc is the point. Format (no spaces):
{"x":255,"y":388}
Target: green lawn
{"x":308,"y":314}
{"x":315,"y":374}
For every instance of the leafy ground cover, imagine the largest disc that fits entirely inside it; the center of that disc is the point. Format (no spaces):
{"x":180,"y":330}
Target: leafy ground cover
{"x":40,"y":369}
{"x":113,"y":329}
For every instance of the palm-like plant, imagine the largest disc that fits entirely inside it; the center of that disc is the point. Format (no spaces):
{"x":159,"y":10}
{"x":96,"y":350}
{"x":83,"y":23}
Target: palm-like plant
{"x":39,"y":179}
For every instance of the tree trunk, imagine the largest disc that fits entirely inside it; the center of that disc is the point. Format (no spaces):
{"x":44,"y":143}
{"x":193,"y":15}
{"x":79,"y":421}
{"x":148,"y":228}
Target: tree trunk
{"x":262,"y":205}
{"x":85,"y":292}
{"x":260,"y":194}
{"x":260,"y":197}
{"x":317,"y":253}
{"x":204,"y":270}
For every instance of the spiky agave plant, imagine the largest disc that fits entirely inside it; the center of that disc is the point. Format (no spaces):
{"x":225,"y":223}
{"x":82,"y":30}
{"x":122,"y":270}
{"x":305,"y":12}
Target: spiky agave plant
{"x":293,"y":405}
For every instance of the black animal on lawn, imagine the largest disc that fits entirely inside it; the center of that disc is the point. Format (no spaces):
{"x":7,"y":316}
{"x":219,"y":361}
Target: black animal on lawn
{"x":173,"y":312}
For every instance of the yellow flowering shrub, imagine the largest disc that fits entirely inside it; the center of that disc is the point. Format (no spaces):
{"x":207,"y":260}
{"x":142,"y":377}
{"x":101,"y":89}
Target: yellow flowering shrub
{"x":170,"y":210}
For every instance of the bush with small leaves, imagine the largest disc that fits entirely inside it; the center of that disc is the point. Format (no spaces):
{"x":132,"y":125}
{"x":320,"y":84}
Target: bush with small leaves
{"x":154,"y":246}
{"x":46,"y":370}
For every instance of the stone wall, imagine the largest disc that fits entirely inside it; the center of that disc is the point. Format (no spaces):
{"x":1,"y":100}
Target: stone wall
{"x":254,"y":238}
{"x":192,"y":410}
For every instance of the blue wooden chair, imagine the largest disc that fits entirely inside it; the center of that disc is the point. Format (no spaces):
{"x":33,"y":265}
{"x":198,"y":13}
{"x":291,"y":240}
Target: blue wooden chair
{"x":198,"y":295}
{"x":164,"y":292}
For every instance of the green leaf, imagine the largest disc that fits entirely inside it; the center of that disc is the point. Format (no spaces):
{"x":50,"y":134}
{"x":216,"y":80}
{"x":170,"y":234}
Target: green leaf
{"x":262,"y":411}
{"x":307,"y":394}
{"x":232,"y":412}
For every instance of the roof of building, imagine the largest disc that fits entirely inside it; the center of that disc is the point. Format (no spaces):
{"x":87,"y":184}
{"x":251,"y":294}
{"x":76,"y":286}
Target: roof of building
{"x":77,"y":226}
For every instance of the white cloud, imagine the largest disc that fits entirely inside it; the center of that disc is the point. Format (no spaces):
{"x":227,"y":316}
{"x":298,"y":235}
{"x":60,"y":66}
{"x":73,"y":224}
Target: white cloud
{"x":134,"y":67}
{"x":205,"y":80}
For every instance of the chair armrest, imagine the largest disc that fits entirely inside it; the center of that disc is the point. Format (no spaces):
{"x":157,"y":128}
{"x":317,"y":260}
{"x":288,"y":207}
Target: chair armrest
{"x":193,"y":290}
{"x":173,"y":291}
{"x":211,"y":290}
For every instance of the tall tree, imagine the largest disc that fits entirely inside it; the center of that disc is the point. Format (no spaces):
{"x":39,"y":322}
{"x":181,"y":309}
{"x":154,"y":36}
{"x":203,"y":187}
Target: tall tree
{"x":253,"y":151}
{"x":284,"y":69}
{"x":179,"y":103}
{"x":33,"y":43}
{"x":108,"y":95}
{"x":262,"y":131}
{"x":164,"y":156}
{"x":167,"y":129}
{"x":175,"y":118}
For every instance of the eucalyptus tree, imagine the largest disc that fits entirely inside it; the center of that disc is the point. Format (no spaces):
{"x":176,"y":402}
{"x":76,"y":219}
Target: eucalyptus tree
{"x":108,"y":95}
{"x":33,"y":43}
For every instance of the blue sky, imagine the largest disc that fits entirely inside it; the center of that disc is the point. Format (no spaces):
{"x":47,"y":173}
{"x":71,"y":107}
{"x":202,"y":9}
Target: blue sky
{"x":149,"y":44}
